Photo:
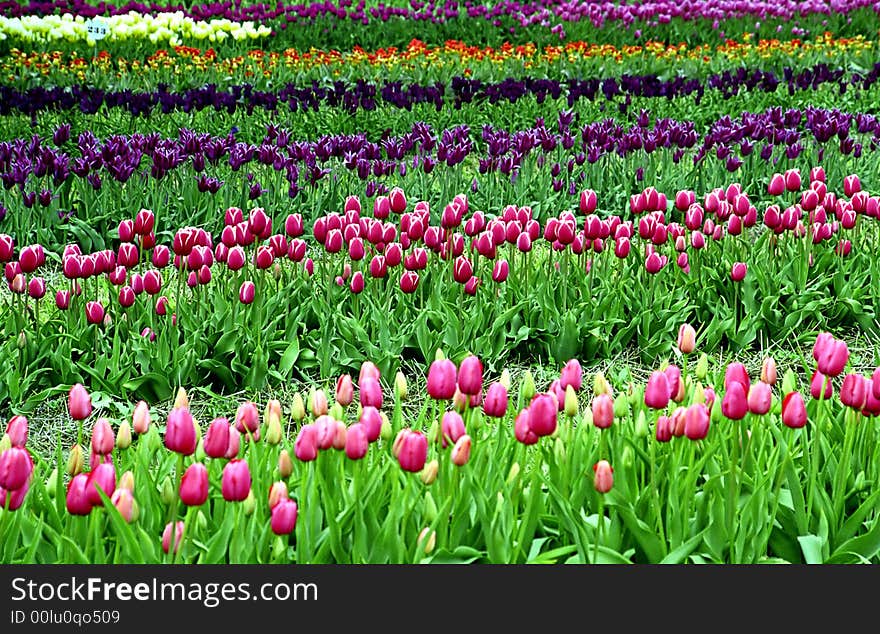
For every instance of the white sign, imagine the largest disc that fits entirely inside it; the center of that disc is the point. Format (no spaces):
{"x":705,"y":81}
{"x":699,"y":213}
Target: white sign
{"x":97,"y":29}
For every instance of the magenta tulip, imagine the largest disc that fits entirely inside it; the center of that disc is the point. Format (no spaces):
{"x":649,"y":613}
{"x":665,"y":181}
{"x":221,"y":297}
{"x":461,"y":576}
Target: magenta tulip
{"x":696,"y":419}
{"x":412,"y":451}
{"x":178,"y":528}
{"x":603,"y":411}
{"x":180,"y":432}
{"x":246,"y":292}
{"x":854,"y":391}
{"x":657,"y":391}
{"x":236,"y":481}
{"x":470,"y":375}
{"x":77,"y":501}
{"x":306,"y":445}
{"x":79,"y":403}
{"x":495,"y":403}
{"x":17,"y":430}
{"x":442,"y":379}
{"x":817,"y":382}
{"x":735,"y":405}
{"x":572,"y":374}
{"x":216,"y":441}
{"x":283,"y":519}
{"x":452,"y":428}
{"x":102,"y":477}
{"x":543,"y":414}
{"x":194,"y":485}
{"x":16,"y":467}
{"x":794,"y":412}
{"x":103,"y":439}
{"x":603,"y":476}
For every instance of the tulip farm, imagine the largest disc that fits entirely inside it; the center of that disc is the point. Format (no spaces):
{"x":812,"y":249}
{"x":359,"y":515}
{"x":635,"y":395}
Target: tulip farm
{"x":440,"y":281}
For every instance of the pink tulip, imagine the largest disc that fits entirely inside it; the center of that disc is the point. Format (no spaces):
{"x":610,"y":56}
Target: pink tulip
{"x":356,"y":443}
{"x":144,"y":222}
{"x":521,"y":429}
{"x":79,"y":403}
{"x":344,"y":390}
{"x":94,"y":312}
{"x":759,"y":398}
{"x":306,"y":445}
{"x":16,"y":467}
{"x":738,"y":271}
{"x":62,"y":300}
{"x":452,"y":428}
{"x":768,"y":371}
{"x":495,"y":403}
{"x":831,"y":354}
{"x":736,"y":373}
{"x":816,"y":384}
{"x":543,"y":412}
{"x":325,"y":431}
{"x":194,"y":485}
{"x":370,"y":392}
{"x":412,"y":450}
{"x":603,"y":478}
{"x":686,"y":338}
{"x":854,"y":391}
{"x":442,"y":379}
{"x":77,"y":502}
{"x":247,"y":418}
{"x":696,"y":420}
{"x":588,"y":201}
{"x":123,"y":500}
{"x":735,"y":405}
{"x":103,"y":439}
{"x":603,"y":411}
{"x":102,"y":477}
{"x":676,"y":385}
{"x":178,"y":535}
{"x":246,"y":292}
{"x":236,"y":481}
{"x":663,"y":431}
{"x":875,"y":383}
{"x":851,"y":185}
{"x":180,"y":432}
{"x":17,"y":430}
{"x":572,"y":374}
{"x":657,"y":391}
{"x":794,"y":412}
{"x":397,"y":200}
{"x":12,"y":500}
{"x":283,"y":521}
{"x":216,"y":441}
{"x":470,"y":375}
{"x":792,"y":180}
{"x":500,"y":271}
{"x":234,"y":443}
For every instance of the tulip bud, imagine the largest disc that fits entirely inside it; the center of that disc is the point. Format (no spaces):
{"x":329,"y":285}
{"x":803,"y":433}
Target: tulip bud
{"x":126,"y":481}
{"x":285,"y":464}
{"x":79,"y":403}
{"x":297,"y":408}
{"x":768,"y":371}
{"x":430,"y":506}
{"x":794,"y":413}
{"x":123,"y":500}
{"x":75,"y":461}
{"x":527,"y":387}
{"x":123,"y":436}
{"x":505,"y":379}
{"x":559,"y":452}
{"x":570,"y":402}
{"x":273,"y":430}
{"x":194,"y":485}
{"x":427,"y":540}
{"x":141,"y":418}
{"x":178,"y":528}
{"x":513,"y":474}
{"x":601,"y":385}
{"x":429,"y":473}
{"x":702,"y":369}
{"x":686,"y":338}
{"x":318,"y":403}
{"x":277,"y":493}
{"x":400,"y":387}
{"x":166,"y":493}
{"x":461,"y":452}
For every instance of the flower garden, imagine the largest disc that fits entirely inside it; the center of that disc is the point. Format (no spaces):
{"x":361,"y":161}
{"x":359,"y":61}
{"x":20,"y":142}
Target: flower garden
{"x":440,"y":282}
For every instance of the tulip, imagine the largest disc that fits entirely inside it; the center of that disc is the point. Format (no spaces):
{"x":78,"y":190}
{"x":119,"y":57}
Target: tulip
{"x":37,"y":287}
{"x":62,"y":300}
{"x":126,"y":481}
{"x":79,"y":403}
{"x":664,"y":429}
{"x":123,"y":438}
{"x":305,"y":447}
{"x":102,"y":437}
{"x":735,"y":405}
{"x":603,"y":411}
{"x":737,"y":373}
{"x":285,"y":464}
{"x":461,"y":451}
{"x":123,"y":500}
{"x":246,"y":292}
{"x":236,"y":481}
{"x":495,"y":403}
{"x":543,"y":411}
{"x":851,"y":185}
{"x":451,"y":428}
{"x":676,"y":385}
{"x":283,"y":519}
{"x":696,"y":420}
{"x":738,"y":271}
{"x":397,"y":200}
{"x":17,"y":430}
{"x":817,"y":383}
{"x":370,"y":392}
{"x":412,"y":451}
{"x":325,"y":431}
{"x":657,"y":391}
{"x":372,"y":422}
{"x":234,"y":443}
{"x":768,"y":371}
{"x":194,"y":485}
{"x":686,"y":338}
{"x":101,"y":477}
{"x":470,"y":375}
{"x":759,"y":398}
{"x":794,"y":412}
{"x":178,"y":535}
{"x":180,"y":432}
{"x":521,"y":429}
{"x":409,"y":281}
{"x":16,"y":468}
{"x":318,"y":403}
{"x":75,"y":461}
{"x":77,"y":501}
{"x":356,"y":442}
{"x":854,"y":391}
{"x":831,"y":354}
{"x":247,"y":418}
{"x":216,"y":440}
{"x":603,"y":478}
{"x":500,"y":271}
{"x":441,"y":379}
{"x":572,"y":375}
{"x":875,"y":383}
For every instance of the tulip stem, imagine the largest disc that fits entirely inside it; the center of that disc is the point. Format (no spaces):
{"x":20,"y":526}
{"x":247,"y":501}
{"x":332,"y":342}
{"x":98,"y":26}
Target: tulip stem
{"x":815,"y":449}
{"x":600,"y":522}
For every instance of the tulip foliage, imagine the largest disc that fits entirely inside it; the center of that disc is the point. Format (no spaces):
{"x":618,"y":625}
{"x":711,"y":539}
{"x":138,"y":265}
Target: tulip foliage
{"x":692,"y":466}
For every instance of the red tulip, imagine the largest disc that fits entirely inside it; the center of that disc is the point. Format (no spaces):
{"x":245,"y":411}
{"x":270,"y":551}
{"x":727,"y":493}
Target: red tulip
{"x":236,"y":481}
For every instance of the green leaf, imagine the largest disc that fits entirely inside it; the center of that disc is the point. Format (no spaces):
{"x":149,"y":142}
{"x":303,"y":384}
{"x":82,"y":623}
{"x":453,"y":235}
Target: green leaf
{"x":291,"y":354}
{"x":811,"y":547}
{"x":865,"y":546}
